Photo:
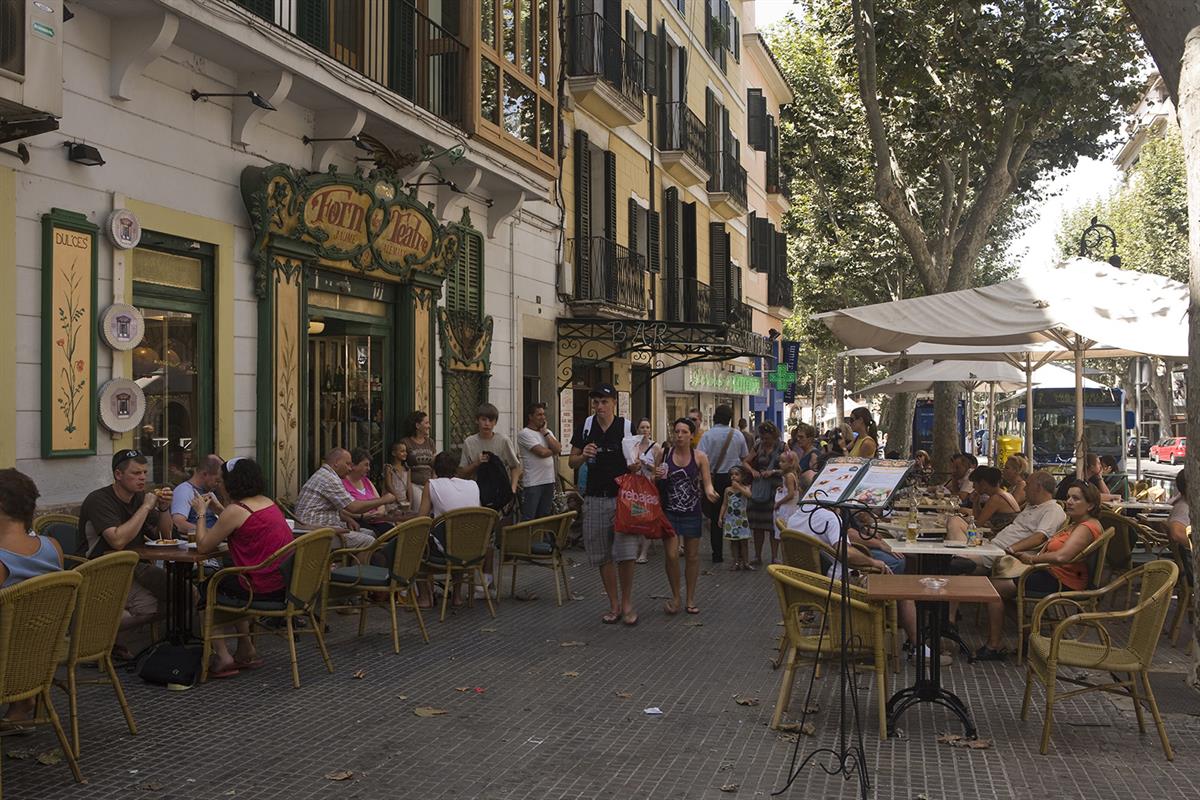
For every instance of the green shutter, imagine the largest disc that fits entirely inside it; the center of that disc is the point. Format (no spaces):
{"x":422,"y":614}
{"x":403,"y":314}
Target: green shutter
{"x":633,"y":227}
{"x":402,"y":45}
{"x":260,"y":8}
{"x":652,"y":243}
{"x":583,"y":214}
{"x":718,"y":270}
{"x":671,"y":253}
{"x":312,"y":23}
{"x":610,"y":195}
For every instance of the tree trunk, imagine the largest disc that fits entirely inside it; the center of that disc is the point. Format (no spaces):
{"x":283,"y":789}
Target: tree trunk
{"x":946,"y":440}
{"x":839,"y":389}
{"x":1160,"y":394}
{"x":900,"y":418}
{"x":1171,"y":29}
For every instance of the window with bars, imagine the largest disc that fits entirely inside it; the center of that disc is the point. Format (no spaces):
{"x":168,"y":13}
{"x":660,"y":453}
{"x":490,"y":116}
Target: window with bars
{"x":516,"y":71}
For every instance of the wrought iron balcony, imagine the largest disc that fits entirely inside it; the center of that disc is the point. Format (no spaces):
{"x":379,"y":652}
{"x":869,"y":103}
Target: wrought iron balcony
{"x":727,"y":184}
{"x":681,"y":138}
{"x":779,"y":290}
{"x":604,"y":71}
{"x":388,"y":41}
{"x":688,"y":300}
{"x":608,"y":276}
{"x":739,"y":315}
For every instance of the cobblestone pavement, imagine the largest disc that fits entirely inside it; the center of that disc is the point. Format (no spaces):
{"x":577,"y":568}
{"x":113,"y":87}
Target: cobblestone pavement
{"x":555,"y":721}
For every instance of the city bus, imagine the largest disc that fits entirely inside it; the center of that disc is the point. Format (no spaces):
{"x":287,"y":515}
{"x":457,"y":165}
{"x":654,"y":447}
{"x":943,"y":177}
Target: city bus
{"x":1104,"y":423}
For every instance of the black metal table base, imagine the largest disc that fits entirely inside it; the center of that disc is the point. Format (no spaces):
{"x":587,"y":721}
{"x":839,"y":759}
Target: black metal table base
{"x":928,"y":686}
{"x":178,"y":611}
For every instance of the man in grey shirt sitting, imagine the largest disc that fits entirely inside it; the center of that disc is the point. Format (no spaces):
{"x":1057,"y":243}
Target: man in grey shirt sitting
{"x":725,"y":447}
{"x":1042,"y":514}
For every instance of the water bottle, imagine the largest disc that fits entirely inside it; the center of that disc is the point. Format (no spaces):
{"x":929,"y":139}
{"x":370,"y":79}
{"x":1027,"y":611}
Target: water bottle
{"x":972,"y":535}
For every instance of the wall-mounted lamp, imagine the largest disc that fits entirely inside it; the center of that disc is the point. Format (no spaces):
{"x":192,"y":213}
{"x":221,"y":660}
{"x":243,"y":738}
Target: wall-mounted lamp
{"x":316,"y":327}
{"x":254,"y":96}
{"x":21,"y":153}
{"x":356,"y":140}
{"x":84,"y":154}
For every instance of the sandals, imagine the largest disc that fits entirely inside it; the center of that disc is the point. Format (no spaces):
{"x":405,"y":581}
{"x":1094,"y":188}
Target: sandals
{"x":642,"y":560}
{"x":252,"y":664}
{"x":693,"y":610}
{"x":227,"y":672}
{"x":630,"y":619}
{"x":986,"y":653}
{"x":610,"y":618}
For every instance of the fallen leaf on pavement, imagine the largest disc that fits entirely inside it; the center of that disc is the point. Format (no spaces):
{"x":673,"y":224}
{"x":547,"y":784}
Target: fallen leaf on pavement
{"x":572,"y":644}
{"x":487,"y":630}
{"x":150,"y":786}
{"x":428,"y":711}
{"x":725,"y":767}
{"x":660,"y":597}
{"x":808,"y":729}
{"x":746,"y":701}
{"x":954,"y":740}
{"x":360,"y":674}
{"x":706,"y":572}
{"x":339,"y":775}
{"x":812,"y":708}
{"x":694,"y":624}
{"x":402,"y":697}
{"x":570,"y":674}
{"x":462,"y":688}
{"x":729,"y":787}
{"x":624,"y":695}
{"x":50,"y":757}
{"x":19,"y":753}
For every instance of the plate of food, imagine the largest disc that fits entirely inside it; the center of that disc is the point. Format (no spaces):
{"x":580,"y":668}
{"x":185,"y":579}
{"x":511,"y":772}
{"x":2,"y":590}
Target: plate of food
{"x":164,"y":542}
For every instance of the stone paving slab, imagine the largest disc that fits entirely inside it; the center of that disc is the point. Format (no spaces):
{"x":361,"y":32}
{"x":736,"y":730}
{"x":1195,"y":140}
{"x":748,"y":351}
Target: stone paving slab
{"x":537,"y":732}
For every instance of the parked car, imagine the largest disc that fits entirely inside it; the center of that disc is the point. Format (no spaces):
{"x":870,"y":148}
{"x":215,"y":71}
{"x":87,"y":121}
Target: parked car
{"x":1134,"y":442}
{"x":1172,"y":450}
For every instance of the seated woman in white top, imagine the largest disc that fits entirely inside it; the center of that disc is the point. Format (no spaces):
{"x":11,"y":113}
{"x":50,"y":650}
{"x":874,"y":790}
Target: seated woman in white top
{"x":1179,"y":523}
{"x":445,"y":491}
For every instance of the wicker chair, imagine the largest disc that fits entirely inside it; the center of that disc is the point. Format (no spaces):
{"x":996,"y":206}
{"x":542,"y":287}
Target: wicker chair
{"x":1119,"y":556}
{"x":468,"y":534}
{"x":537,"y":541}
{"x":64,"y":529}
{"x":404,"y":547}
{"x":304,"y":563}
{"x":1133,"y":656}
{"x":34,"y":617}
{"x":102,"y":594}
{"x":1093,"y":556}
{"x":802,"y":591}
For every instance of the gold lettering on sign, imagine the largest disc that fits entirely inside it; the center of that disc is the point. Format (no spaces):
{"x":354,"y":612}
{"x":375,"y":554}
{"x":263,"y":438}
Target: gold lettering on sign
{"x":405,"y":233}
{"x":341,"y":212}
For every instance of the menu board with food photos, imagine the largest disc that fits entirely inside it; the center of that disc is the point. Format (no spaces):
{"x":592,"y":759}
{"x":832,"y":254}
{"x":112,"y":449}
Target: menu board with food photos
{"x":869,"y":482}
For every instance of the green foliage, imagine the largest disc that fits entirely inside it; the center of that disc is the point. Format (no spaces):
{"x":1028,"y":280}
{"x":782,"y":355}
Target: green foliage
{"x":1148,"y":212}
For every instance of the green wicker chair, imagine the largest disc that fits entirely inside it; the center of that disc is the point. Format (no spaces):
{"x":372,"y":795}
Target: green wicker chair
{"x":64,"y":529}
{"x":34,"y":617}
{"x":1093,"y":555}
{"x":1132,"y":656}
{"x":468,"y":534}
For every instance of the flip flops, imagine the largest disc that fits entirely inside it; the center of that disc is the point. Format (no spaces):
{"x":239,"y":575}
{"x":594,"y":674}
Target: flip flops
{"x":610,"y":618}
{"x":228,"y":672}
{"x":252,"y":664}
{"x":693,"y":610}
{"x":630,"y":619}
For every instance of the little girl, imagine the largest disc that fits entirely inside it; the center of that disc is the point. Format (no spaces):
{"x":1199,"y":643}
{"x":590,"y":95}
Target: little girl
{"x":397,"y":479}
{"x":787,"y":496}
{"x":733,"y":517}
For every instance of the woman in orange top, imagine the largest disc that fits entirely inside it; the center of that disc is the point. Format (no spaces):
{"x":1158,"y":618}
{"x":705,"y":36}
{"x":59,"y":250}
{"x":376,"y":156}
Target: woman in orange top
{"x":1082,"y":528}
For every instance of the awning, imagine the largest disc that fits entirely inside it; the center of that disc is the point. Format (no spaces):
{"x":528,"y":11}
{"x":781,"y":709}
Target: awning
{"x":1001,"y":376}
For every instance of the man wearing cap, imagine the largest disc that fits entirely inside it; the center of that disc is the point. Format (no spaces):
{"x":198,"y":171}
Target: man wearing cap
{"x":123,"y":514}
{"x":597,"y":441}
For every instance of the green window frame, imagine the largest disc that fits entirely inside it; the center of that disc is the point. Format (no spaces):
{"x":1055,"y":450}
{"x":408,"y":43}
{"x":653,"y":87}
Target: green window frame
{"x":464,"y":283}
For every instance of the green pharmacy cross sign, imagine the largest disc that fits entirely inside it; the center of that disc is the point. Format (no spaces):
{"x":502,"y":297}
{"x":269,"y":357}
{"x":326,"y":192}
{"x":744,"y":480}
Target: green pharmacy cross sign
{"x":781,"y":377}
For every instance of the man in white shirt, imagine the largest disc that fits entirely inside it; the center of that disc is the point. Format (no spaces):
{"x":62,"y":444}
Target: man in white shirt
{"x":725,"y":448}
{"x":1041,"y":515}
{"x":539,"y":448}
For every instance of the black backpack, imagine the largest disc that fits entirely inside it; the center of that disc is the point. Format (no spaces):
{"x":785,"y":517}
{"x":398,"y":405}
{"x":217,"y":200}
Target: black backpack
{"x":495,"y":484}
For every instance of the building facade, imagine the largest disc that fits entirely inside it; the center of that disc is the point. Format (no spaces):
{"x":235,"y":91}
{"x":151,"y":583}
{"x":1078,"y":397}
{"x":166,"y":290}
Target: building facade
{"x":266,"y":227}
{"x":673,"y":200}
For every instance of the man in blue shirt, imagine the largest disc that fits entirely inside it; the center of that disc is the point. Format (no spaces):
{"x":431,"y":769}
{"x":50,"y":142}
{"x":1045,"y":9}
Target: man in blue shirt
{"x":205,"y":479}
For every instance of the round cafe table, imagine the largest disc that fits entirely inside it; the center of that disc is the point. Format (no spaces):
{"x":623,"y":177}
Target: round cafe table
{"x":180,"y":562}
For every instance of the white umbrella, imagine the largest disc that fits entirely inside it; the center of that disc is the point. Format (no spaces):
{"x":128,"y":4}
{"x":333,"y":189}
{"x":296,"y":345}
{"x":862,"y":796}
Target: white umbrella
{"x":1075,"y":305}
{"x":1004,"y":377}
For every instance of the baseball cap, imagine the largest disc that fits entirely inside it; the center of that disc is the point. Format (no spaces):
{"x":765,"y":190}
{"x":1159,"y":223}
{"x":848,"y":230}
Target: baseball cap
{"x":121,"y":456}
{"x":603,"y":390}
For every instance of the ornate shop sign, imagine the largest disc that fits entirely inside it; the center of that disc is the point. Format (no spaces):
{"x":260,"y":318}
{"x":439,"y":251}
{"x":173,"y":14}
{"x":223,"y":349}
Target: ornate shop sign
{"x":366,"y":224}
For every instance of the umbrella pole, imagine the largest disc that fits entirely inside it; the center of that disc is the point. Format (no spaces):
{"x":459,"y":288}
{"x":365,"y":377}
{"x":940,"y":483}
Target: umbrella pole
{"x":1029,"y":410}
{"x":1080,"y":443}
{"x":992,"y":451}
{"x":1137,"y":418}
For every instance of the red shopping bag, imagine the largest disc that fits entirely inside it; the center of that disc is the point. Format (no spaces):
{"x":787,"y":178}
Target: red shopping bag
{"x":639,"y":508}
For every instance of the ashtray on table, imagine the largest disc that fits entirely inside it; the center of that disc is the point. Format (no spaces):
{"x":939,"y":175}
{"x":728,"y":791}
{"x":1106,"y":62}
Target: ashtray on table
{"x":933,"y":584}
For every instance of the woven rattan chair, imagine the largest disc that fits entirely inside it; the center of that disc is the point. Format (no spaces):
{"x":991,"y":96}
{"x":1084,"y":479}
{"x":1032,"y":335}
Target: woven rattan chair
{"x":540,"y":542}
{"x":468,"y":533}
{"x":102,"y":594}
{"x":1119,"y":556}
{"x":304,"y":563}
{"x":1093,"y":556}
{"x":404,"y":547}
{"x":801,"y":591}
{"x":34,"y":617}
{"x":64,"y":529}
{"x":1131,"y":656}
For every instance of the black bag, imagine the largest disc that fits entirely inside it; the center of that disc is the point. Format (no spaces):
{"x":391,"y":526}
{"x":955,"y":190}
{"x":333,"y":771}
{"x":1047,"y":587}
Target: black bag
{"x":495,"y":484}
{"x":166,"y":663}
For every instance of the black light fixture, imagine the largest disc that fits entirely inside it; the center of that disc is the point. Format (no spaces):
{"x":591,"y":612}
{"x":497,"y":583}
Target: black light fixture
{"x":254,"y":96}
{"x":21,"y":153}
{"x":84,"y":154}
{"x":355,"y":139}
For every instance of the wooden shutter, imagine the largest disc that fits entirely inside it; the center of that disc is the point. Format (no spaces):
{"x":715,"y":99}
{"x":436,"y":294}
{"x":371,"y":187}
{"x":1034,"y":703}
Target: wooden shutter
{"x":610,"y":195}
{"x":764,"y":240}
{"x":312,"y":23}
{"x":772,"y":176}
{"x":650,"y":51}
{"x":726,"y":27}
{"x":683,"y":59}
{"x":260,"y":8}
{"x":736,"y":46}
{"x":652,"y":244}
{"x":464,"y":286}
{"x":708,"y":30}
{"x":633,"y":228}
{"x":781,"y":271}
{"x":672,"y":252}
{"x":718,"y":270}
{"x":403,"y":44}
{"x":751,"y":239}
{"x":712,"y":138}
{"x":735,"y":282}
{"x":756,"y":119}
{"x":583,"y":215}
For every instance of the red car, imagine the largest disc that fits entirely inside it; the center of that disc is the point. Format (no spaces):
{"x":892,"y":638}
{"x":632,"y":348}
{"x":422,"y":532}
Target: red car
{"x":1171,"y":450}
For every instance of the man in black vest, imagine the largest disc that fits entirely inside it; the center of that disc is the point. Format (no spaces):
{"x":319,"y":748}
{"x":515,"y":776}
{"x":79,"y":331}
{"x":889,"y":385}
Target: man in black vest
{"x":597,"y":441}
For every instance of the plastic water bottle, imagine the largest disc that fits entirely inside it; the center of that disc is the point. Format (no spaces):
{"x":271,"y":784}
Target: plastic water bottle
{"x":972,"y":535}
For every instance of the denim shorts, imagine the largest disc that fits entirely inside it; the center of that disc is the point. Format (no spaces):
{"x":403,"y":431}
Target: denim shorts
{"x":687,"y":526}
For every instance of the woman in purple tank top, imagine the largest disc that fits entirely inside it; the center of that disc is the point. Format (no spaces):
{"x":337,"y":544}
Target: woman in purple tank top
{"x":682,"y":471}
{"x":255,"y":528}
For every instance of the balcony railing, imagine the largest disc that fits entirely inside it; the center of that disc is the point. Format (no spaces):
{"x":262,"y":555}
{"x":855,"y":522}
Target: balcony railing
{"x":606,"y":272}
{"x":681,"y":129}
{"x":388,"y":41}
{"x":689,"y":300}
{"x":779,"y":291}
{"x":597,"y":48}
{"x":739,"y":315}
{"x":727,"y":175}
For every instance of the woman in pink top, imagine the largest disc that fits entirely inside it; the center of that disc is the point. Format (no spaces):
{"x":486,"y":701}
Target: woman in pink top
{"x":360,"y":488}
{"x":255,"y":528}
